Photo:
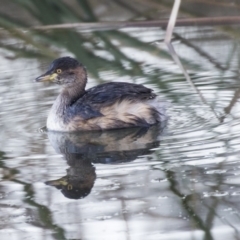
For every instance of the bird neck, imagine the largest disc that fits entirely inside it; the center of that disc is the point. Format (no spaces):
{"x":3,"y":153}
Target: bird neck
{"x":71,"y":94}
{"x":68,"y":96}
{"x":74,"y":90}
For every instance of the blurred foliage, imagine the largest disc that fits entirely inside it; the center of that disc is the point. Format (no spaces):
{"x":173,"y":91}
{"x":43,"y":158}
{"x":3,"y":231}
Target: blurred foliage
{"x":50,"y":44}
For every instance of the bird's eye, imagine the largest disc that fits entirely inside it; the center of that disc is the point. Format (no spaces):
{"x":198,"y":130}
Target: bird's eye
{"x":59,"y":70}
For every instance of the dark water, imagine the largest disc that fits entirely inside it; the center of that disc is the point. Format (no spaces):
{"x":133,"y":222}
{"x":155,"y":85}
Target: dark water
{"x":179,"y":181}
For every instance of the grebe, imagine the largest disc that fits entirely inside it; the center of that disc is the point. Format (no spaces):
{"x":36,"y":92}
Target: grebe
{"x":106,"y":106}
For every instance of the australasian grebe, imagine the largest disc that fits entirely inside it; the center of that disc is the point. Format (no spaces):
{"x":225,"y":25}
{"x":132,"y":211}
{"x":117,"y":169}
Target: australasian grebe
{"x":106,"y":106}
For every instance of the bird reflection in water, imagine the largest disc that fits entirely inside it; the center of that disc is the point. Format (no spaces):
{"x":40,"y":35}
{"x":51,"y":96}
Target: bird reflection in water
{"x":83,"y":149}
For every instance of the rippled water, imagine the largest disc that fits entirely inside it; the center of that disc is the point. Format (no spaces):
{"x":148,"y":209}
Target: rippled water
{"x":179,"y":181}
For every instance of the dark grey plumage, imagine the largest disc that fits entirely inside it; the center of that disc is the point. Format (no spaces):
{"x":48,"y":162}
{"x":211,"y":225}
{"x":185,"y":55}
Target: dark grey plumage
{"x":90,"y":103}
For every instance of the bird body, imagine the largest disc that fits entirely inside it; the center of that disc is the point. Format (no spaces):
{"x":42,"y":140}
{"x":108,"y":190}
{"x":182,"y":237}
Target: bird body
{"x":106,"y":106}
